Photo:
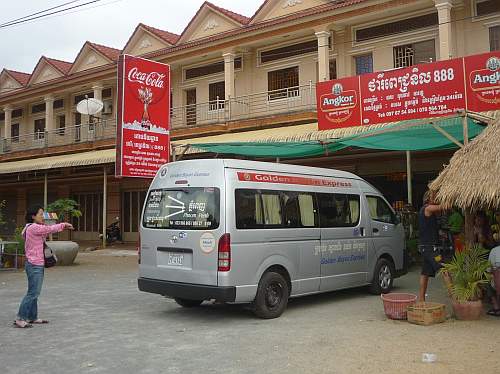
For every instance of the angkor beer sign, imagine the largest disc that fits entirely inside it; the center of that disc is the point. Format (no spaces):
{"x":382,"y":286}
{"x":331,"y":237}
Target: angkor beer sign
{"x":421,"y":91}
{"x":143,"y":140}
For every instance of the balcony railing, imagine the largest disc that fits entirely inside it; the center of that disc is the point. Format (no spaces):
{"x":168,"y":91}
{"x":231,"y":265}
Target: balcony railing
{"x":253,"y":106}
{"x":88,"y":132}
{"x":263,"y":104}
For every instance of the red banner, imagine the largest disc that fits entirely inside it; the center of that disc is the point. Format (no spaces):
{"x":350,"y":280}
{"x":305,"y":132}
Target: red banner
{"x":143,"y":138}
{"x":420,"y":91}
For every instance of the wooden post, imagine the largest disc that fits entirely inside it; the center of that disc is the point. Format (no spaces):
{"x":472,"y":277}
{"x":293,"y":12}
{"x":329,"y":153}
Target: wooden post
{"x":408,"y":178}
{"x":465,"y":129}
{"x":468,"y":227}
{"x":104,"y":201}
{"x":45,"y":191}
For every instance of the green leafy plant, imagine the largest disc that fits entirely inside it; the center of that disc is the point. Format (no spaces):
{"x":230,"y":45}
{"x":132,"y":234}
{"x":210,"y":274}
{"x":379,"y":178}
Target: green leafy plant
{"x":18,"y":237}
{"x":2,"y":207}
{"x":468,"y":271}
{"x":65,"y":209}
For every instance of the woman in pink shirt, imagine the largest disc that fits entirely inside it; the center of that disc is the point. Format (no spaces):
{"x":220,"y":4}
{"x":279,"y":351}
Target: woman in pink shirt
{"x":35,"y":234}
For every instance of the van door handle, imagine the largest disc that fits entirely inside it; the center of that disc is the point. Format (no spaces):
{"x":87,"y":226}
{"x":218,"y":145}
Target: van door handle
{"x":375,"y":230}
{"x":362,"y":231}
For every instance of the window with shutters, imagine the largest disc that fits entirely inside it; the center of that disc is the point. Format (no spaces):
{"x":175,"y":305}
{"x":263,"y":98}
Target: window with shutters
{"x":216,"y":95}
{"x":495,"y":38}
{"x":364,"y":64}
{"x":486,"y":7}
{"x":283,"y":83}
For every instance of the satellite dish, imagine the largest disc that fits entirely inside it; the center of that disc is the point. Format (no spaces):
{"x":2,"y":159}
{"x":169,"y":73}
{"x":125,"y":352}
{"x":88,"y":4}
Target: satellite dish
{"x":89,"y":106}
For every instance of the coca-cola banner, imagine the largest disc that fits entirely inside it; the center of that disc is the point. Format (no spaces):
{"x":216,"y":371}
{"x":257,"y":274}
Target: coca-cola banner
{"x":420,"y":91}
{"x":143,"y":139}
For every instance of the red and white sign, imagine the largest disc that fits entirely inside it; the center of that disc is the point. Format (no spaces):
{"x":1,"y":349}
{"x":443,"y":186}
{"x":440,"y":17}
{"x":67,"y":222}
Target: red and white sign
{"x":482,"y":79}
{"x":420,"y":91}
{"x":285,"y":179}
{"x":143,"y":126}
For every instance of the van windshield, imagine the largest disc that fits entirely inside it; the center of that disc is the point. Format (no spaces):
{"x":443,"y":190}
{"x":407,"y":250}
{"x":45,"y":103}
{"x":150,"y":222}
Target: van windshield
{"x":188,"y":208}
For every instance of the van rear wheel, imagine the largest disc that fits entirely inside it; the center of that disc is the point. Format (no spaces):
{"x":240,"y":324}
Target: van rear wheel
{"x":383,"y":277}
{"x":187,"y":303}
{"x":272,"y":296}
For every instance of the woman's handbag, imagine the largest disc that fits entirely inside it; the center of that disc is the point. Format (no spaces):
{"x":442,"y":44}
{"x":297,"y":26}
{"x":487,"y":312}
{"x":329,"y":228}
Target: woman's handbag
{"x":49,"y":256}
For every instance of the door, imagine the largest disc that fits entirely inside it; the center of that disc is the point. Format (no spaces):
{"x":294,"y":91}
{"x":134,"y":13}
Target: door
{"x":191,"y":107}
{"x":344,"y":245}
{"x":181,"y":229}
{"x":386,"y":236}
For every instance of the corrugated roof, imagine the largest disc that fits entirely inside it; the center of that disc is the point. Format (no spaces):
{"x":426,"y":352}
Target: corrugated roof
{"x":105,"y":156}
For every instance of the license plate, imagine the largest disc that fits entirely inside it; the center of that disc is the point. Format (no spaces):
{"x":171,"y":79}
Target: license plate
{"x":176,"y":260}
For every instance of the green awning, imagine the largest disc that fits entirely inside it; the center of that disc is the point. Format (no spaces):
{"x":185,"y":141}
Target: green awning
{"x":402,"y":136}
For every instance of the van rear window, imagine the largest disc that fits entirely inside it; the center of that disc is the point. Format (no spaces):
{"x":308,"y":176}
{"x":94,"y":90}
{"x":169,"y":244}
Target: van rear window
{"x":189,"y":208}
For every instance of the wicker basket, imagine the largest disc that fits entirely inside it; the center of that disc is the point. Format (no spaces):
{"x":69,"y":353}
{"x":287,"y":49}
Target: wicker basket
{"x":426,"y":313}
{"x":396,"y":304}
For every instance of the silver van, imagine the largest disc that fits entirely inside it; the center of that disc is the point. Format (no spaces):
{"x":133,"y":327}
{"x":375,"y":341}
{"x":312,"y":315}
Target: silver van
{"x":255,"y":232}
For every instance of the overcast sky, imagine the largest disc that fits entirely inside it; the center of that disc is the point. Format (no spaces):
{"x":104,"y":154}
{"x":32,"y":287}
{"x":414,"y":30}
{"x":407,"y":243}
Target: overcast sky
{"x":112,"y":24}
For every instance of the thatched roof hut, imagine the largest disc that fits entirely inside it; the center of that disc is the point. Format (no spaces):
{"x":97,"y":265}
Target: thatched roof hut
{"x":471,"y":181}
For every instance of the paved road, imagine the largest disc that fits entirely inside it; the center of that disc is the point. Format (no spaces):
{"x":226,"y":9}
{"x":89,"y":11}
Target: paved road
{"x":100,"y":323}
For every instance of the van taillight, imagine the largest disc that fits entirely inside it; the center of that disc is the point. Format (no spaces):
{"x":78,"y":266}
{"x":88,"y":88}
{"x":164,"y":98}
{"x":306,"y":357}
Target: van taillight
{"x":139,"y":250}
{"x":224,"y":253}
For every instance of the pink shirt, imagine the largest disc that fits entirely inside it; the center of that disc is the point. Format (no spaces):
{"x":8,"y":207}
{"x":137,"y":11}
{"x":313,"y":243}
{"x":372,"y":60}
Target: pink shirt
{"x":35,"y":234}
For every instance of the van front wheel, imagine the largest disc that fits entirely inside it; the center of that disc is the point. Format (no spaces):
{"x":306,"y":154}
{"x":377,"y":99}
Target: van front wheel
{"x":272,"y":296}
{"x":383,"y":277}
{"x":186,"y":303}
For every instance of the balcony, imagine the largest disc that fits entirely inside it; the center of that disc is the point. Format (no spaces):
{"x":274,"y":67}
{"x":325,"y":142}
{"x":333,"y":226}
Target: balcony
{"x":270,"y":104}
{"x":84,"y":133}
{"x":240,"y":108}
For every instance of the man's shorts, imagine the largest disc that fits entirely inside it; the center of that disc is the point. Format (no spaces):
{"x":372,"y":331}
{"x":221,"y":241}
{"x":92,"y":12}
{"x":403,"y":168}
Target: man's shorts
{"x":432,"y":261}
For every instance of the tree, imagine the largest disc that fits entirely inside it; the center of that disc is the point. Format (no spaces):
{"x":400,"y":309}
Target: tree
{"x":65,"y":209}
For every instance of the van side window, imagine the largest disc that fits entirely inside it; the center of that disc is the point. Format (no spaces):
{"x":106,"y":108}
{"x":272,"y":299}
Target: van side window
{"x":262,"y":209}
{"x":257,"y":209}
{"x":380,"y":210}
{"x":299,"y":209}
{"x":338,"y":210}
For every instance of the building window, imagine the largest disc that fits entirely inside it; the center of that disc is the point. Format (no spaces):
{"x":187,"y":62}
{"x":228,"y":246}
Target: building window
{"x":39,"y":128}
{"x":191,"y":107}
{"x":283,"y":83}
{"x":14,"y":133}
{"x":61,"y":124}
{"x":397,"y":27}
{"x":415,"y":53}
{"x":2,"y":116}
{"x":332,"y":66}
{"x":289,"y":51}
{"x":106,"y":93}
{"x":485,"y":7}
{"x":132,"y":203}
{"x":81,"y":97}
{"x":364,"y":64}
{"x":17,"y":113}
{"x":216,"y":95}
{"x":38,"y":108}
{"x":90,"y":204}
{"x":215,"y":68}
{"x":495,"y":38}
{"x":58,"y":104}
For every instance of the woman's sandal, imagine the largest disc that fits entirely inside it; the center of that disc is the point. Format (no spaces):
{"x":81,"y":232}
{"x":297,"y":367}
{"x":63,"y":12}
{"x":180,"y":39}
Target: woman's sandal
{"x":39,"y":321}
{"x":22,"y":324}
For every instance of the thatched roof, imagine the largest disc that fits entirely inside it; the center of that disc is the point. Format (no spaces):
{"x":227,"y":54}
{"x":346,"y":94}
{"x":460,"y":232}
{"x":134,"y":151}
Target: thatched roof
{"x":472,"y":178}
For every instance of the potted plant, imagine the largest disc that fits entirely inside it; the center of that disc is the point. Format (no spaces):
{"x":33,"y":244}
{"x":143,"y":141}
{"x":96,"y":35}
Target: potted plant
{"x":65,"y":250}
{"x":468,"y":272}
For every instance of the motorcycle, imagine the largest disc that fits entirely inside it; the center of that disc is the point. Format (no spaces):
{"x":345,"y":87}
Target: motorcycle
{"x":113,"y":232}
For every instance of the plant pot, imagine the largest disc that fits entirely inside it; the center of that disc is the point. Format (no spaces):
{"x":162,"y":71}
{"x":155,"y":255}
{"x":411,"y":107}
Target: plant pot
{"x":65,"y":251}
{"x":468,"y":311}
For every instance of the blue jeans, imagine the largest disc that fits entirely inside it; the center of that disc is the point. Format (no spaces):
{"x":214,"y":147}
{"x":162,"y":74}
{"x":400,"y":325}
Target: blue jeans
{"x":28,"y":310}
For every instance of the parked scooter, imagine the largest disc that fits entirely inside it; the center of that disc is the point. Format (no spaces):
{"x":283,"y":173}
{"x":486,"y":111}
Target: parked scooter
{"x":113,"y":232}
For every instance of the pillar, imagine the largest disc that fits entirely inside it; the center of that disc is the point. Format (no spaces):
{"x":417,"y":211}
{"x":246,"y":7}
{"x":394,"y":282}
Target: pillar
{"x":49,"y":114}
{"x":445,"y":35}
{"x":8,"y":122}
{"x":323,"y":56}
{"x":342,"y":70}
{"x":229,"y":74}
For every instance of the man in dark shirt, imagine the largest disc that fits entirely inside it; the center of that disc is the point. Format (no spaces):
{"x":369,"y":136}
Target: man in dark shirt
{"x":428,"y":232}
